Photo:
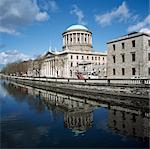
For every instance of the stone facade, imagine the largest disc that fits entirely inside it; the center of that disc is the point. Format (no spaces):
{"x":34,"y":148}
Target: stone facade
{"x":129,"y":56}
{"x":77,"y":49}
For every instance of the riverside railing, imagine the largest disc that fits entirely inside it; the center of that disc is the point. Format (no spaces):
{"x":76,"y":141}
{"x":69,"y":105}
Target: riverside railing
{"x":140,"y":81}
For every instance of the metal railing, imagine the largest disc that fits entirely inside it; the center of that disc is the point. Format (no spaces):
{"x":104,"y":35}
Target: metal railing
{"x":96,"y":81}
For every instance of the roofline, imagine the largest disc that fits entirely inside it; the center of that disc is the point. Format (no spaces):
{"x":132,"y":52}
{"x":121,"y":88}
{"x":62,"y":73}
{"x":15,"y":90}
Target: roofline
{"x":76,"y":30}
{"x":72,"y":52}
{"x":125,"y":38}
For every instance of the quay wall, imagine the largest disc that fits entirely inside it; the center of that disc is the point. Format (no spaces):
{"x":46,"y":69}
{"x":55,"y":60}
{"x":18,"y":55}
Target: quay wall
{"x":93,"y":88}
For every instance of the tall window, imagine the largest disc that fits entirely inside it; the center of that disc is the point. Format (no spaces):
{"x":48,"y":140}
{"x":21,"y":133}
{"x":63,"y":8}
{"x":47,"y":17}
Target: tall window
{"x":114,"y":47}
{"x":149,"y":43}
{"x":82,"y":57}
{"x":98,"y":58}
{"x":95,"y":58}
{"x":71,"y":64}
{"x":114,"y":59}
{"x":87,"y":57}
{"x":103,"y":58}
{"x":77,"y":56}
{"x":123,"y":45}
{"x":133,"y":57}
{"x":149,"y":71}
{"x":148,"y":56}
{"x":133,"y":43}
{"x":92,"y":57}
{"x":133,"y":71}
{"x":71,"y":56}
{"x":71,"y":73}
{"x":123,"y":58}
{"x":123,"y":71}
{"x":114,"y":72}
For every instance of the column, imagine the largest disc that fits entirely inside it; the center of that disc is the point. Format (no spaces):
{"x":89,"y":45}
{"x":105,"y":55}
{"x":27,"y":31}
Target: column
{"x":69,"y":38}
{"x":49,"y":68}
{"x":76,"y":38}
{"x":88,"y":38}
{"x":91,"y":39}
{"x":63,"y":40}
{"x":80,"y":38}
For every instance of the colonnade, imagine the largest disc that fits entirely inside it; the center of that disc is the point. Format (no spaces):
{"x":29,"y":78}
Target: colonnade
{"x":77,"y":38}
{"x":50,"y":68}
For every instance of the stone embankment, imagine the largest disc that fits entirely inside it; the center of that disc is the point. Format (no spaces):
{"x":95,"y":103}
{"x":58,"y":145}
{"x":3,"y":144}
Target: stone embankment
{"x":136,"y":88}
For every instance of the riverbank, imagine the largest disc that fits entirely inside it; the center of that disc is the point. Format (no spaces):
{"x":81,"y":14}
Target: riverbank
{"x":136,"y":88}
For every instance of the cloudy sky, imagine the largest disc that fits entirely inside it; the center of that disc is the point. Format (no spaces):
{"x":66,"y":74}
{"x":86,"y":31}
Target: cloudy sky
{"x":29,"y":27}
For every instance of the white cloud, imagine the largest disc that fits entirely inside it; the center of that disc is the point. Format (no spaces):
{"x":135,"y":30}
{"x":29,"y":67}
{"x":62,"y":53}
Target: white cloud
{"x":42,"y":16}
{"x":145,"y":30}
{"x":18,"y":13}
{"x":12,"y":56}
{"x":143,"y":26}
{"x":79,"y":13}
{"x":121,"y":13}
{"x":48,"y":5}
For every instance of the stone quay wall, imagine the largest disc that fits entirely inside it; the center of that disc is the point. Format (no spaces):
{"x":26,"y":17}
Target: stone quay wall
{"x":136,"y":88}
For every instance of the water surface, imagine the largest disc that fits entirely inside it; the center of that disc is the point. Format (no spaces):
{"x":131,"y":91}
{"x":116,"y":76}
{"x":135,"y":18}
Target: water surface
{"x":36,"y":118}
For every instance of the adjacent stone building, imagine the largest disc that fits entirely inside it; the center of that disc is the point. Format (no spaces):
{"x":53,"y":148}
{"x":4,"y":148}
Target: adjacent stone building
{"x":129,"y":56}
{"x":77,"y":55}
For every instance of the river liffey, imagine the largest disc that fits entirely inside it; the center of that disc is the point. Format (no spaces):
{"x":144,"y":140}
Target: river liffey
{"x":35,"y":118}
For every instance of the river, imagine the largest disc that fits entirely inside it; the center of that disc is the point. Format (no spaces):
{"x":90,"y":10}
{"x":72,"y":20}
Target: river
{"x":35,"y":118}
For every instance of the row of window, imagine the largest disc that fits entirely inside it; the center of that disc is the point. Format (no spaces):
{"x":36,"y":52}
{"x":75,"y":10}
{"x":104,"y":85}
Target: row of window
{"x":87,"y":57}
{"x":123,"y":45}
{"x":123,"y":71}
{"x":123,"y":58}
{"x":71,"y":64}
{"x":133,"y":71}
{"x":133,"y":57}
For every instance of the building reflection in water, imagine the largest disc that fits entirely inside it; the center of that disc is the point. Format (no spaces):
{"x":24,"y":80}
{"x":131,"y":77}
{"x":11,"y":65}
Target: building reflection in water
{"x":129,"y":122}
{"x":78,"y":113}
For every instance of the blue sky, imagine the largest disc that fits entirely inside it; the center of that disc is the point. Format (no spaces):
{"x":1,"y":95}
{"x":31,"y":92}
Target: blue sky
{"x":29,"y":27}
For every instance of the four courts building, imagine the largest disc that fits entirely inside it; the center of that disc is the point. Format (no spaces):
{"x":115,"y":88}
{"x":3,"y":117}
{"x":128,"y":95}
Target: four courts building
{"x":127,"y":57}
{"x":77,"y":56}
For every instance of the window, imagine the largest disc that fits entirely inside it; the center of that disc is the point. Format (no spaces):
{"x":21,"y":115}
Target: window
{"x":123,"y":58}
{"x":78,"y":39}
{"x":133,"y":71}
{"x":71,"y":73}
{"x":71,"y":64}
{"x":92,"y":57}
{"x":133,"y":57}
{"x":95,"y":58}
{"x":87,"y":57}
{"x":149,"y":71}
{"x":133,"y":43}
{"x":123,"y":45}
{"x":77,"y":57}
{"x":103,"y":58}
{"x":71,"y":39}
{"x":77,"y":63}
{"x":114,"y":72}
{"x":149,"y":43}
{"x":114,"y":48}
{"x":71,"y":56}
{"x":148,"y":56}
{"x":114,"y":59}
{"x":85,"y":39}
{"x":82,"y":57}
{"x":84,"y":68}
{"x":98,"y":58}
{"x":123,"y":71}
